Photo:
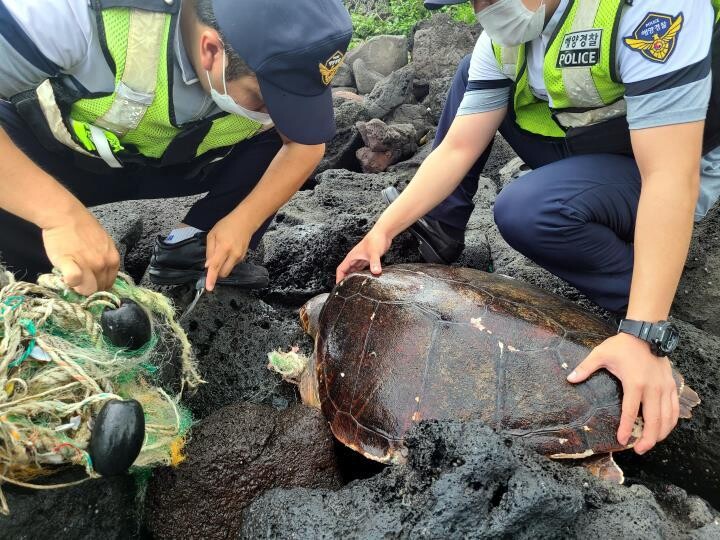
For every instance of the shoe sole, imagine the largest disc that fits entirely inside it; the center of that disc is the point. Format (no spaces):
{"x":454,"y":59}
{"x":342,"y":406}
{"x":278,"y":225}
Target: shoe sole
{"x":182,"y":277}
{"x":426,"y":250}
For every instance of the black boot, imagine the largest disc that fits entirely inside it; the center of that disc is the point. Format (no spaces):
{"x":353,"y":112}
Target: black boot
{"x":184,"y":262}
{"x":437,"y":243}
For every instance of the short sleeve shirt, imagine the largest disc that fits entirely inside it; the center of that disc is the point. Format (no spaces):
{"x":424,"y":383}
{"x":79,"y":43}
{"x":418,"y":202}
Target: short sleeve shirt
{"x":671,"y":87}
{"x":59,"y":38}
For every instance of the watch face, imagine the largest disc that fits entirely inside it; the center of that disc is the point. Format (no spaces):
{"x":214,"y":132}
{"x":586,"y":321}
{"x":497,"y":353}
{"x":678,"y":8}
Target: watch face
{"x":669,"y":339}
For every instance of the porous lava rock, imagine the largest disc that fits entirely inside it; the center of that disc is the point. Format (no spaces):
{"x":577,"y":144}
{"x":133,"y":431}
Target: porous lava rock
{"x":438,"y":45}
{"x":315,"y":231}
{"x":365,"y":77}
{"x":391,"y":92}
{"x":698,"y":298}
{"x":103,"y":508}
{"x":416,"y":114}
{"x":231,"y":332}
{"x":340,"y":152}
{"x":464,"y":481}
{"x":383,"y":54}
{"x":344,"y":76}
{"x":384,"y":145}
{"x":234,"y":456}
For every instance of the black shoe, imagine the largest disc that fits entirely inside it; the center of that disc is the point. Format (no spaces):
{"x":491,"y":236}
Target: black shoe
{"x":437,"y":245}
{"x":184,"y":262}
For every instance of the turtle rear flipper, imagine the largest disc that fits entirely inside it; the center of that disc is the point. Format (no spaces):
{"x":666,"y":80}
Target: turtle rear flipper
{"x":604,"y":466}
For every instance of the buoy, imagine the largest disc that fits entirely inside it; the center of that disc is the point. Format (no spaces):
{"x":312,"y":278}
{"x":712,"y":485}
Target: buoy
{"x":117,"y":437}
{"x":128,"y":326}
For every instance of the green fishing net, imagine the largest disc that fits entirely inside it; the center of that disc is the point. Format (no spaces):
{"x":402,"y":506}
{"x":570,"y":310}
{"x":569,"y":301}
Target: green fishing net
{"x":57,"y":370}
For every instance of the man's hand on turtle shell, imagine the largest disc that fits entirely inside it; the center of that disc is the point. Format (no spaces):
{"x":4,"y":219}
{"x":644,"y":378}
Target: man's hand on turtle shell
{"x":367,"y":253}
{"x":647,"y":381}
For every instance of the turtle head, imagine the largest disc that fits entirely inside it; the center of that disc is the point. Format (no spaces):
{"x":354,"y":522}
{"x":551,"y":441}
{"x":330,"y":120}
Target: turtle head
{"x":310,"y":314}
{"x":298,"y":370}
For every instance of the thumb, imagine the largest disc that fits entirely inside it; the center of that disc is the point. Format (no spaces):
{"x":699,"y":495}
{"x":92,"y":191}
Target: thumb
{"x":586,"y":368}
{"x":72,"y":273}
{"x":375,"y":266}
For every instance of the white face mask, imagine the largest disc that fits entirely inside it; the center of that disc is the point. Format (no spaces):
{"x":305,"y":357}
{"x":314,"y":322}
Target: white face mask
{"x":228,"y":104}
{"x":509,"y":23}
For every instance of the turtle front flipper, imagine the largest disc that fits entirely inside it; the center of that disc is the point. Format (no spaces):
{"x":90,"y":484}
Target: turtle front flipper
{"x":604,"y":466}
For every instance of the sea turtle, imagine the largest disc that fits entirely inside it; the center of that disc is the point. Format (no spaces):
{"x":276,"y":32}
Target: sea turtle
{"x":435,"y":342}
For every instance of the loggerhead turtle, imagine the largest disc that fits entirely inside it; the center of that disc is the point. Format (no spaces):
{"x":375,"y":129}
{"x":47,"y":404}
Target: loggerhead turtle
{"x":434,"y":342}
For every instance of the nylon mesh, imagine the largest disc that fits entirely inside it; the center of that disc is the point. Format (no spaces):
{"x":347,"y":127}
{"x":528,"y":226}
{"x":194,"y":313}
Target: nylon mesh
{"x":227,"y":131}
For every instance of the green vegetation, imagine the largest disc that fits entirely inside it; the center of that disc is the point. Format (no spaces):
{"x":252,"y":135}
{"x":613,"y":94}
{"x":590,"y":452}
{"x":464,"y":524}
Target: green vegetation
{"x":400,"y":18}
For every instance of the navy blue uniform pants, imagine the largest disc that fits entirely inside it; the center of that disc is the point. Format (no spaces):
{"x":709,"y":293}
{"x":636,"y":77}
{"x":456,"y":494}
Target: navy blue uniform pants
{"x":572,"y":215}
{"x":227,"y":183}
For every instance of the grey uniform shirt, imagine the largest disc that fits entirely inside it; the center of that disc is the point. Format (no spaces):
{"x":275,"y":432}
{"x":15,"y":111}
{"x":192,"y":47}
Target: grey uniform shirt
{"x":663,"y":91}
{"x":44,"y":38}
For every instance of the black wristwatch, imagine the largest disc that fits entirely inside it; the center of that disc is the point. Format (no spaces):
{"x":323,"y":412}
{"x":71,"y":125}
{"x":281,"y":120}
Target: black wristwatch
{"x":663,"y":336}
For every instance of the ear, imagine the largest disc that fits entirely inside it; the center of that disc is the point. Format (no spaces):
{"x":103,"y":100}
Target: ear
{"x":211,"y":49}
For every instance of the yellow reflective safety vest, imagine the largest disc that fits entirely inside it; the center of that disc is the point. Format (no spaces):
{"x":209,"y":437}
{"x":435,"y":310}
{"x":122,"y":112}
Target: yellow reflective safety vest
{"x":135,"y":123}
{"x":581,"y":80}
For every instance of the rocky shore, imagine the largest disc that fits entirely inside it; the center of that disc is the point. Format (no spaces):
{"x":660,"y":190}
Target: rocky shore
{"x":262,"y":466}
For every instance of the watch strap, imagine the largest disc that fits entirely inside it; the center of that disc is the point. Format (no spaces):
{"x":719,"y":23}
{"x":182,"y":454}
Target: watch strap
{"x":639,"y":329}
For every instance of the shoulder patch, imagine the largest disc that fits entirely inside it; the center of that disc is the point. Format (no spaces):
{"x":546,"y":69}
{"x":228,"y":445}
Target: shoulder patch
{"x":656,"y":36}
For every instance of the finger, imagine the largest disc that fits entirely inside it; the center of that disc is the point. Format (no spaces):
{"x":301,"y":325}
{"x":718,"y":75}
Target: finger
{"x":340,"y":273}
{"x":72,"y":273}
{"x":651,"y":415}
{"x":630,"y":410}
{"x":228,"y":265}
{"x":110,"y":271}
{"x":216,"y":265}
{"x":211,"y":279}
{"x":212,"y":268}
{"x":78,"y":279}
{"x":348,"y":266}
{"x":668,"y":420}
{"x":209,"y":249}
{"x":586,"y":368}
{"x":375,"y":266}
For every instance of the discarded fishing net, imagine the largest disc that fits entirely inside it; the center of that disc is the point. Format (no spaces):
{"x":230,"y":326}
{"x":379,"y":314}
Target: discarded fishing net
{"x":80,"y":380}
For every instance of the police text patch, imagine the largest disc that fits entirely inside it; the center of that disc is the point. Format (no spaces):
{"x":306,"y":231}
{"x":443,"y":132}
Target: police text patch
{"x":656,"y":36}
{"x":580,"y":49}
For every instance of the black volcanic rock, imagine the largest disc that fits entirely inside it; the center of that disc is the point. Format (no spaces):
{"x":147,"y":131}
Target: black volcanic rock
{"x":464,"y":481}
{"x":234,"y":456}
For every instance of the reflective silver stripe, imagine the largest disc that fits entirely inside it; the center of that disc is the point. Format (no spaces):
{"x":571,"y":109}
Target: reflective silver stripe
{"x":54,"y":118}
{"x":136,"y":90}
{"x":103,"y":147}
{"x":579,"y":85}
{"x":508,"y":61}
{"x":588,"y":118}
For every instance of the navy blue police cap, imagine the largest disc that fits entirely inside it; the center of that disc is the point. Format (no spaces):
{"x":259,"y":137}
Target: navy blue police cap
{"x":295,"y":48}
{"x":436,"y":4}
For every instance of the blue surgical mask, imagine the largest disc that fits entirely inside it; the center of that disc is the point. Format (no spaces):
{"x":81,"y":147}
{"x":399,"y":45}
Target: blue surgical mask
{"x":228,"y":104}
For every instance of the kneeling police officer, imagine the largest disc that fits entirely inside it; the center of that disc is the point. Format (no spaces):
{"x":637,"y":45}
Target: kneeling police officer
{"x":606,"y":100}
{"x":113,"y":100}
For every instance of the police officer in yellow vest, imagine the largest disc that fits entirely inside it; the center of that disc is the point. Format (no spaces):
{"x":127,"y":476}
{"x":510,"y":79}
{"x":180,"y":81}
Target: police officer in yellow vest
{"x":110,"y":100}
{"x":607,"y":208}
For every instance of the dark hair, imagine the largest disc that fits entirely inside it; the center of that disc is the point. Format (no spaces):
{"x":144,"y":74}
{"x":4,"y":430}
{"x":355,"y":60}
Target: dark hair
{"x":236,"y":66}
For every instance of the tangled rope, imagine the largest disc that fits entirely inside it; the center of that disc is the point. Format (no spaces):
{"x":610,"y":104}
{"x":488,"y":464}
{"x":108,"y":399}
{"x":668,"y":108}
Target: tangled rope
{"x":57,"y":371}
